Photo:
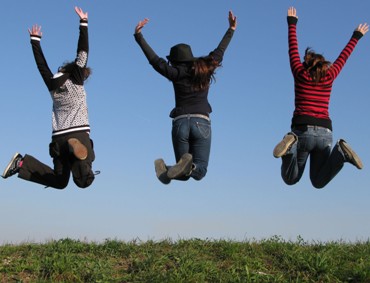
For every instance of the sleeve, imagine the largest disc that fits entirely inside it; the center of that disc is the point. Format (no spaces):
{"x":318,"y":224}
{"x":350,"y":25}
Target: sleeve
{"x":294,"y":57}
{"x":83,"y":45}
{"x":218,"y":53}
{"x":77,"y":73}
{"x":338,"y":64}
{"x":41,"y":61}
{"x":159,"y":64}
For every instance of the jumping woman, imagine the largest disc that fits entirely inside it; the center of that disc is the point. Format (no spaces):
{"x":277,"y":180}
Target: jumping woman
{"x":191,"y":125}
{"x":311,"y":127}
{"x":71,"y":147}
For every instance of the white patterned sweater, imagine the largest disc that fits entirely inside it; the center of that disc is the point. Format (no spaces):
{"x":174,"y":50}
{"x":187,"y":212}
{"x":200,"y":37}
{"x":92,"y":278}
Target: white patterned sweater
{"x":70,"y":113}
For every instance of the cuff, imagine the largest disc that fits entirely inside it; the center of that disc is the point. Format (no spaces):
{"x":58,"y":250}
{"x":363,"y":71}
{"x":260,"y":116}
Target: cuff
{"x":83,"y":22}
{"x":292,"y":20}
{"x":36,"y":37}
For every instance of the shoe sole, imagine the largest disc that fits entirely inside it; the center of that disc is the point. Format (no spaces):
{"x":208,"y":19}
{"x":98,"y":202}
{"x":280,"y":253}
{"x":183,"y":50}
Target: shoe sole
{"x":9,"y":165}
{"x":352,"y":155}
{"x":181,"y":168}
{"x":282,"y":147}
{"x":78,"y":149}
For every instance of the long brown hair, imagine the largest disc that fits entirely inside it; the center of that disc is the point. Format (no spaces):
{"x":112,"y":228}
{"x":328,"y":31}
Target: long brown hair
{"x":68,"y":66}
{"x":316,"y":65}
{"x":203,"y":71}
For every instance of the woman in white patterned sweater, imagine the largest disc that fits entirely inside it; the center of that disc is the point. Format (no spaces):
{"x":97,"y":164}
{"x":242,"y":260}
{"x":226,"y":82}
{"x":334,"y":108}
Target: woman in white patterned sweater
{"x":71,"y":147}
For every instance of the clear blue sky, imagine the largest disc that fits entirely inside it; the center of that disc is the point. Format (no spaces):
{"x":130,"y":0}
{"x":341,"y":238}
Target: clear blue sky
{"x":243,"y":195}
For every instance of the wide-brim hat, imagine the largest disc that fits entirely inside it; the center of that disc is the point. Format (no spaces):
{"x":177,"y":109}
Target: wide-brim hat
{"x":181,"y":53}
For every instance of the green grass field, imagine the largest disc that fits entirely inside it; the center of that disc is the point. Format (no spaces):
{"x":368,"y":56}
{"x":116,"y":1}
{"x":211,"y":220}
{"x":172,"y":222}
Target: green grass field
{"x":193,"y":260}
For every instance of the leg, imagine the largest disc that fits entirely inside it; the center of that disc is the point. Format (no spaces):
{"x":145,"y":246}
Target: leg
{"x":326,"y":163}
{"x":83,"y":176}
{"x":180,"y":142}
{"x":294,"y":161}
{"x":35,"y":171}
{"x":200,"y":146}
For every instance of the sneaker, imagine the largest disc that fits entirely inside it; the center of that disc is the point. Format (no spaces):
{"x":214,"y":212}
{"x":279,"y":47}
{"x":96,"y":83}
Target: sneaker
{"x":161,"y":171}
{"x":282,"y":147}
{"x":77,"y":148}
{"x":182,"y":167}
{"x":13,"y":166}
{"x":350,"y":155}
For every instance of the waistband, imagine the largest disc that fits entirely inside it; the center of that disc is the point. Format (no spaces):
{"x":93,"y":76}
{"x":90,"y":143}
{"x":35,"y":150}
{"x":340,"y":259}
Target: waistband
{"x":304,"y":128}
{"x":192,"y":116}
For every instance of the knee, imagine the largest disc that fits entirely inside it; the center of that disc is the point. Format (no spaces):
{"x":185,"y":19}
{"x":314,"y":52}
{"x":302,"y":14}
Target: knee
{"x":83,"y":176}
{"x":318,"y":185}
{"x":198,"y":173}
{"x":61,"y":184}
{"x":290,"y":182}
{"x":84,"y":182}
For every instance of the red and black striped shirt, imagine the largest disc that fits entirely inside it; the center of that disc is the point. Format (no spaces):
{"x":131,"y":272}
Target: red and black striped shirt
{"x":311,"y":98}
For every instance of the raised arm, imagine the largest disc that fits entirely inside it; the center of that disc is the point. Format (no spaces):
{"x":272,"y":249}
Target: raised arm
{"x":159,"y":64}
{"x":338,"y":64}
{"x":294,"y":58}
{"x":83,"y":40}
{"x":219,"y":52}
{"x":36,"y":34}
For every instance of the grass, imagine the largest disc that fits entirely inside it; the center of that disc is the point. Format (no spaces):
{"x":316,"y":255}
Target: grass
{"x":194,"y":260}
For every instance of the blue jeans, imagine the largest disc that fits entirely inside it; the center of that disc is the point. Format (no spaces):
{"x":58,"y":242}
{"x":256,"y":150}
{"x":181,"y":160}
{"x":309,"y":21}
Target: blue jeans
{"x":325,"y":163}
{"x":193,"y":135}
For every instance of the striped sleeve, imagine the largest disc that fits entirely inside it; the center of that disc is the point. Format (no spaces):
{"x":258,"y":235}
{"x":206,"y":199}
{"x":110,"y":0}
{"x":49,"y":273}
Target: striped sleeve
{"x":338,"y":64}
{"x":294,"y":58}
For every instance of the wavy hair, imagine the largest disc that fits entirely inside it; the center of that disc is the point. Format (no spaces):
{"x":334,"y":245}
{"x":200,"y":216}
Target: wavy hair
{"x":67,"y":67}
{"x":203,"y":71}
{"x":316,"y":65}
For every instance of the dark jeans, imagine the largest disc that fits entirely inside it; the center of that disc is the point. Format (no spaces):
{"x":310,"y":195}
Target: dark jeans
{"x":64,"y":162}
{"x":325,"y":163}
{"x":193,"y":135}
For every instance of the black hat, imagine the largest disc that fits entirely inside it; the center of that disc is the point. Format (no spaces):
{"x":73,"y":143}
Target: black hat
{"x":181,"y":53}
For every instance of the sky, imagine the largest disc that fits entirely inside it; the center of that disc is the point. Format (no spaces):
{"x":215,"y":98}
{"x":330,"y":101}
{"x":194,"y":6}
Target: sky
{"x":242,"y":196}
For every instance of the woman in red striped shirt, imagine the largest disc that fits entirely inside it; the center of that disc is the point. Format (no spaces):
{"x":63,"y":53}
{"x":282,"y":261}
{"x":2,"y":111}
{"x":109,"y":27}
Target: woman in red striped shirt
{"x":311,"y":133}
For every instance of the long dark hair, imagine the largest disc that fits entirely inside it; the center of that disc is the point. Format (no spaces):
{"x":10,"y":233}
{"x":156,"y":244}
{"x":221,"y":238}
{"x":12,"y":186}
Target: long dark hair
{"x":316,"y":65}
{"x":67,"y":67}
{"x":203,"y":71}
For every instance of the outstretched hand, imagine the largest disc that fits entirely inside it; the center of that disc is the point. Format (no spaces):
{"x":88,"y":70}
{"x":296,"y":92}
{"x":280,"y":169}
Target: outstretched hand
{"x":140,"y":25}
{"x":363,"y":28}
{"x":35,"y":30}
{"x":292,"y":12}
{"x":81,"y":14}
{"x":232,"y":20}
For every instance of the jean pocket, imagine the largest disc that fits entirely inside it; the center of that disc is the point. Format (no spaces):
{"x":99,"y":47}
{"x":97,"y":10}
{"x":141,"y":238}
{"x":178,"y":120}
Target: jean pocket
{"x":204,"y":129}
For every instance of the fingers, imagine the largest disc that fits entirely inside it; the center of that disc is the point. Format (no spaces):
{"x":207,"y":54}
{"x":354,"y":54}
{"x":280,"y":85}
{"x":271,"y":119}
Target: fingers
{"x":81,"y":13}
{"x":140,"y":25}
{"x":363,"y":28}
{"x":232,"y":20}
{"x":35,"y":30}
{"x":292,"y":12}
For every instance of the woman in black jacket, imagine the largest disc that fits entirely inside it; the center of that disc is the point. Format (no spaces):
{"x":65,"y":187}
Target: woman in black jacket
{"x":191,"y":126}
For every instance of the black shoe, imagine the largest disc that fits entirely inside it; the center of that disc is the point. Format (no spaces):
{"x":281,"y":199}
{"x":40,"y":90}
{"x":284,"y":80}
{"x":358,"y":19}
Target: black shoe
{"x":183,"y":167}
{"x":77,"y":148}
{"x":286,"y":143}
{"x":350,"y":155}
{"x":161,"y":171}
{"x":13,"y":166}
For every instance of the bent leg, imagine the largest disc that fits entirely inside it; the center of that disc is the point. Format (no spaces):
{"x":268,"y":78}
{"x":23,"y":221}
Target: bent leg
{"x":37,"y":172}
{"x":82,"y":172}
{"x":294,"y":161}
{"x":200,"y":147}
{"x":325,"y":165}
